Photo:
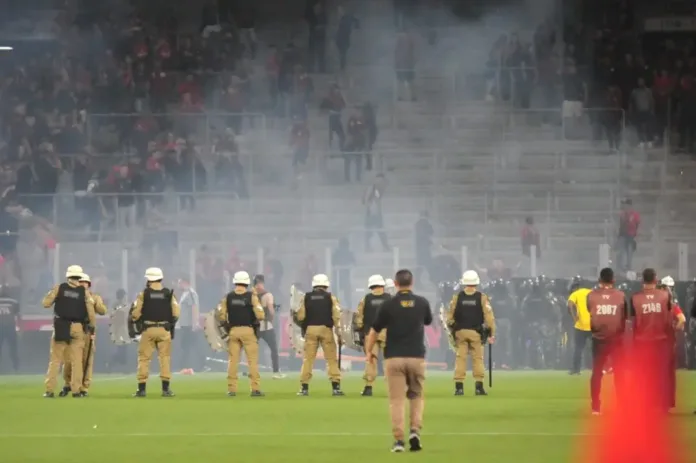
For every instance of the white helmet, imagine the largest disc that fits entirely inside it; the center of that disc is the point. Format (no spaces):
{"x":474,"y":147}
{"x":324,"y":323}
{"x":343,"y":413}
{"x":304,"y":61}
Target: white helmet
{"x":375,"y":280}
{"x":154,"y":274}
{"x":668,"y":281}
{"x":241,"y":278}
{"x":471,"y":278}
{"x":320,"y":280}
{"x":85,"y":277}
{"x":389,"y":283}
{"x":74,"y":271}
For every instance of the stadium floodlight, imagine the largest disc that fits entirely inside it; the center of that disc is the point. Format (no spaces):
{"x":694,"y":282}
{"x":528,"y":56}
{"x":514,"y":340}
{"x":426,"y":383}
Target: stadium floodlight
{"x":6,"y":48}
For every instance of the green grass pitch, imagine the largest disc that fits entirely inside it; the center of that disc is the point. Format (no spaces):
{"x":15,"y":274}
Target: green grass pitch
{"x":528,"y":417}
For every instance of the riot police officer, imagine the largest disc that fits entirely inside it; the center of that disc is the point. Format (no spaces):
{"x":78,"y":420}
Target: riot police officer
{"x":88,"y":352}
{"x":364,"y":318}
{"x":319,"y":314}
{"x":73,"y":316}
{"x":468,"y":311}
{"x":157,"y":311}
{"x":241,"y":313}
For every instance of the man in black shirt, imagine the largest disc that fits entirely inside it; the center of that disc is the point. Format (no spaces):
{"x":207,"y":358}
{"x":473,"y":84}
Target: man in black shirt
{"x":404,"y":317}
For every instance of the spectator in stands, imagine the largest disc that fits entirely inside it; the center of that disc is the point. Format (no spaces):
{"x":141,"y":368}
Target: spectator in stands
{"x":316,"y":15}
{"x":423,"y":243}
{"x":286,"y":75}
{"x":369,"y":116}
{"x":613,"y":117}
{"x":629,"y":221}
{"x":355,"y":147}
{"x":498,"y":270}
{"x":663,"y":86}
{"x":342,"y":261}
{"x":303,"y":89}
{"x":346,"y":23}
{"x":405,"y":63}
{"x":245,"y":20}
{"x":234,"y":104}
{"x":188,"y":175}
{"x":642,"y":107}
{"x":335,"y":104}
{"x":530,"y":237}
{"x":229,"y":172}
{"x":273,"y":74}
{"x":374,"y":221}
{"x":299,"y":143}
{"x":574,"y":98}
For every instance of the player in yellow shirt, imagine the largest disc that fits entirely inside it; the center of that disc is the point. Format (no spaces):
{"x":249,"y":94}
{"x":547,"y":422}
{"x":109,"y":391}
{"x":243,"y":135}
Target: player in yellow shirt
{"x":577,"y":306}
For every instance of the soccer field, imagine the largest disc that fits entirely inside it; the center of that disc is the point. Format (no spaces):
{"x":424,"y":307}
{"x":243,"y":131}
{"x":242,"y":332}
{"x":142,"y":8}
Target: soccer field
{"x":528,"y":417}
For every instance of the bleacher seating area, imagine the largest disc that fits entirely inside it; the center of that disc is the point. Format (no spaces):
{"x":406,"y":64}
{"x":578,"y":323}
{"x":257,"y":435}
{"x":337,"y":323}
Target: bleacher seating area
{"x":479,"y":167}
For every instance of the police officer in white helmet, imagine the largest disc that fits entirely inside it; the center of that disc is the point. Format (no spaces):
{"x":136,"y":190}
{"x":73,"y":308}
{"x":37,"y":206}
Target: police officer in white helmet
{"x":157,"y":310}
{"x":389,"y":286}
{"x":73,"y":316}
{"x":319,"y":314}
{"x":241,"y":312}
{"x":468,"y":312}
{"x":365,"y":316}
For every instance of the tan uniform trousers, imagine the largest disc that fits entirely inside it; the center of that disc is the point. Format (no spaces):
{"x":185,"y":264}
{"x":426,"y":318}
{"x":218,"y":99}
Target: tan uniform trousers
{"x":370,"y":374}
{"x":87,"y":374}
{"x":243,"y":337}
{"x":405,"y":380}
{"x":469,"y":342}
{"x":315,"y":337}
{"x":64,"y":352}
{"x":160,"y":339}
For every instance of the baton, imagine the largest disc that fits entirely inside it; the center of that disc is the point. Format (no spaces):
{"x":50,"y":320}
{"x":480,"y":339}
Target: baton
{"x":339,"y":357}
{"x":490,"y":365}
{"x":85,"y":367}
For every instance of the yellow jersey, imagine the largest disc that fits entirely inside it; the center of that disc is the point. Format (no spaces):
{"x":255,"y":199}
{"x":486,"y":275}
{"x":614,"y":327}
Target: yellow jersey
{"x":579,"y":298}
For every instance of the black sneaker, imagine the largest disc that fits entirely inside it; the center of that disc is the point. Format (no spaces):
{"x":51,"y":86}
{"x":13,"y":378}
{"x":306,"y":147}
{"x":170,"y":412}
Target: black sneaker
{"x":303,"y":392}
{"x":398,"y":447}
{"x":337,"y":393}
{"x":139,"y":393}
{"x":64,"y":392}
{"x":367,"y":392}
{"x":77,"y":396}
{"x":48,"y":395}
{"x":479,"y":389}
{"x":167,"y":393}
{"x":414,"y":442}
{"x":84,"y":393}
{"x":231,"y":394}
{"x":257,"y":394}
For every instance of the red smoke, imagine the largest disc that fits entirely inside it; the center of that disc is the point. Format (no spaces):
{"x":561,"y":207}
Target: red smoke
{"x":635,"y":426}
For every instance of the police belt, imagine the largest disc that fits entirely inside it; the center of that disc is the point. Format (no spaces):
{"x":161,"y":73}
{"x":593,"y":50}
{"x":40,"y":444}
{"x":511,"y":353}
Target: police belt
{"x":71,"y":320}
{"x":166,"y":325}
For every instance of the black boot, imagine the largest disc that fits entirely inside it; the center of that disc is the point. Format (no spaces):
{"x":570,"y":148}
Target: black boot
{"x":231,"y":394}
{"x":304,"y":391}
{"x":367,"y":392}
{"x":77,"y":395}
{"x":49,"y":395}
{"x":166,"y":392}
{"x":141,"y":390}
{"x":84,"y":393}
{"x":458,"y":388}
{"x":257,"y":394}
{"x":336,"y":389}
{"x":64,"y":392}
{"x":479,"y":388}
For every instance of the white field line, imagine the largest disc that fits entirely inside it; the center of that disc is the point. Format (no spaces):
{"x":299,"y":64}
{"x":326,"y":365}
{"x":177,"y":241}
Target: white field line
{"x":289,"y":434}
